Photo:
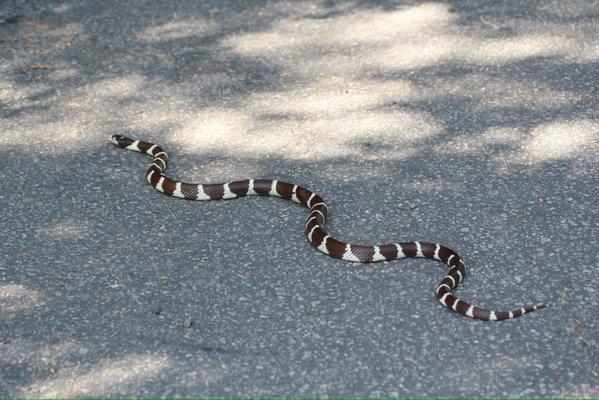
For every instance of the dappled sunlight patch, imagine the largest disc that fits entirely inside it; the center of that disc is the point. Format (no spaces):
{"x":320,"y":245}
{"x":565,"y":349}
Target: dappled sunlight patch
{"x":350,"y":85}
{"x":64,"y":35}
{"x":177,"y":30}
{"x":66,"y":122}
{"x":33,"y":352}
{"x":113,"y":88}
{"x":520,"y":47}
{"x":105,"y":378}
{"x":215,"y":130}
{"x":335,"y":95}
{"x":14,"y":297}
{"x":416,"y":36}
{"x":390,"y":25}
{"x":503,"y":93}
{"x":355,"y":29}
{"x":61,"y":8}
{"x":58,"y":134}
{"x":71,"y":31}
{"x":561,"y":140}
{"x":325,"y":120}
{"x":418,"y":53}
{"x":63,"y":74}
{"x":590,"y":53}
{"x":18,"y":93}
{"x":319,"y":136}
{"x":499,"y":139}
{"x":427,"y":51}
{"x":343,"y":110}
{"x":545,"y":142}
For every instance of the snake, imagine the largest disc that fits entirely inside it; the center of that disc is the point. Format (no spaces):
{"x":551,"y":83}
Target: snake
{"x":315,"y":227}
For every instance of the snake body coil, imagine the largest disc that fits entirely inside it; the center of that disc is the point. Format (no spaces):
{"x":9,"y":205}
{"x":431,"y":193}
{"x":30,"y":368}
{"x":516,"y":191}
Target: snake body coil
{"x":315,"y":231}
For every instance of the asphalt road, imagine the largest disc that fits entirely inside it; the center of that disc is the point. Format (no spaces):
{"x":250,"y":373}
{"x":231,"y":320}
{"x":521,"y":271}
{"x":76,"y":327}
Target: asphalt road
{"x":473,"y":124}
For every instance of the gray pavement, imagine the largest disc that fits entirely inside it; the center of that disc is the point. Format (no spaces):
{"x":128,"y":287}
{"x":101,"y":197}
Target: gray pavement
{"x":469,"y":123}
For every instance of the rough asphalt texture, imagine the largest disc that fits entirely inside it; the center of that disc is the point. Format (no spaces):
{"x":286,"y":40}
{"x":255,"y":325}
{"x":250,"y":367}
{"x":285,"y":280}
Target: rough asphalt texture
{"x":469,"y":123}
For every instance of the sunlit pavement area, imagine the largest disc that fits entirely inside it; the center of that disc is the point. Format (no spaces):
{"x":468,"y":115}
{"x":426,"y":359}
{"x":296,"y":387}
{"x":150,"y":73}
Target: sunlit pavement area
{"x":472,"y":124}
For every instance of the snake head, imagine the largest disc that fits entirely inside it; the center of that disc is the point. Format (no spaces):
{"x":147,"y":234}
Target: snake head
{"x":115,"y":138}
{"x":120,"y":140}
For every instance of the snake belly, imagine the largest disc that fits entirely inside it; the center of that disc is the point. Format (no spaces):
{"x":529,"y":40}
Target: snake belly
{"x":315,"y":227}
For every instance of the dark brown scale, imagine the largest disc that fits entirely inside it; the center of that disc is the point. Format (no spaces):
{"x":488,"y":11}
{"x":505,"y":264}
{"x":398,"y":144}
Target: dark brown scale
{"x":240,"y":188}
{"x":317,"y":235}
{"x":481,"y":313}
{"x":462,"y":307}
{"x":363,"y":253}
{"x":389,"y":251}
{"x":160,"y":162}
{"x":262,"y":186}
{"x":318,"y":216}
{"x":189,"y":190}
{"x":447,"y":281}
{"x":157,"y":150}
{"x":501,"y":315}
{"x":163,"y":158}
{"x":144,"y":147}
{"x":455,"y":260}
{"x":428,"y":249}
{"x":311,"y":224}
{"x":517,"y":312}
{"x":315,"y":200}
{"x":454,"y":274}
{"x":449,"y":300}
{"x":445,"y":253}
{"x":168,"y":186}
{"x":442,"y":290}
{"x":155,"y":177}
{"x":285,"y":189}
{"x":214,"y":190}
{"x":152,"y":168}
{"x":335,"y":247}
{"x":320,"y":207}
{"x":458,"y":268}
{"x":409,"y":249}
{"x":303,"y":195}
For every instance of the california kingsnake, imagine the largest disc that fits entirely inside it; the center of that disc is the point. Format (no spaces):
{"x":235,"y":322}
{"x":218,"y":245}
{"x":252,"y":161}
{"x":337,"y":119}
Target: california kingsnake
{"x":314,"y":229}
